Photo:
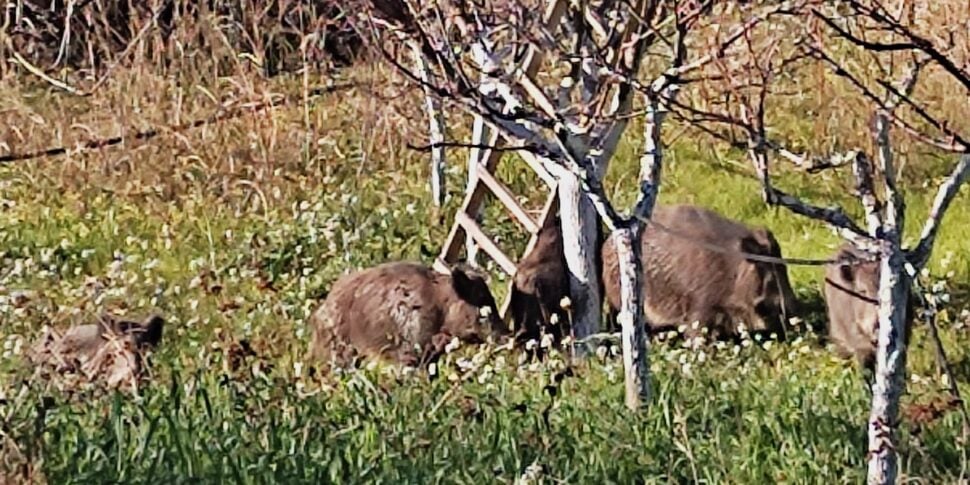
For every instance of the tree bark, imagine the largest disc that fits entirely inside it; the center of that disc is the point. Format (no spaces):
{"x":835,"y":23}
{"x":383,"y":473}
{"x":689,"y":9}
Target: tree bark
{"x":890,"y":368}
{"x":636,"y":372}
{"x":579,"y":230}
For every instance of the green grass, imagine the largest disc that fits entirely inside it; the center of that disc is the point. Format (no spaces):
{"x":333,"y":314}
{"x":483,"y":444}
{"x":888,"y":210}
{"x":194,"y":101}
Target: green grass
{"x":180,"y":234}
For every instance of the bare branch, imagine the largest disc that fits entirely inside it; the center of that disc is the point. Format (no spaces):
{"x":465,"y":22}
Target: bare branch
{"x":948,"y":190}
{"x":916,"y":42}
{"x":961,"y":144}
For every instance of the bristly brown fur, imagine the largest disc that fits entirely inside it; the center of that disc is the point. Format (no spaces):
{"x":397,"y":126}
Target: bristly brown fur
{"x":852,"y":303}
{"x":401,"y":312}
{"x":686,"y":283}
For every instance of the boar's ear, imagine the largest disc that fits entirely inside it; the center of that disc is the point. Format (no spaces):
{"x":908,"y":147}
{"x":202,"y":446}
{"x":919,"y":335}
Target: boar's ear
{"x":751,"y":245}
{"x":150,"y":332}
{"x":469,"y":286}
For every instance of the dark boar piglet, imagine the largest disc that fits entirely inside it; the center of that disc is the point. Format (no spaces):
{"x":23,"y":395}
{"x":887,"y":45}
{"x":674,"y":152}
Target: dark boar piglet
{"x":852,"y":303}
{"x":540,"y":283}
{"x":402,"y":312}
{"x":686,"y":282}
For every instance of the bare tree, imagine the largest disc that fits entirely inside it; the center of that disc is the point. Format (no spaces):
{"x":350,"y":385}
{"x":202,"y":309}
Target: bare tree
{"x":837,"y":35}
{"x":484,"y":58}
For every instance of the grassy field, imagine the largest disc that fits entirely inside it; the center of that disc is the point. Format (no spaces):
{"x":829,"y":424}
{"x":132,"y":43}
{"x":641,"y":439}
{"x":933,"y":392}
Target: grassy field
{"x":235,"y":230}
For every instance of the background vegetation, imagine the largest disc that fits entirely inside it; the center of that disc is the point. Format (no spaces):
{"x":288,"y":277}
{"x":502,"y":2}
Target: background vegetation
{"x":235,"y":230}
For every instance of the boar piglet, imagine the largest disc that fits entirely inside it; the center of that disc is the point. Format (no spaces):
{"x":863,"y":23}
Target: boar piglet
{"x":686,"y":281}
{"x":852,"y":303}
{"x":112,"y":349}
{"x":541,"y":282}
{"x":402,"y":312}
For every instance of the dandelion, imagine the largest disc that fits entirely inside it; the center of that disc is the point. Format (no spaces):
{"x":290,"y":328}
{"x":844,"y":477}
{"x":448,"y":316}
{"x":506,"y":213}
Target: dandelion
{"x":554,"y":319}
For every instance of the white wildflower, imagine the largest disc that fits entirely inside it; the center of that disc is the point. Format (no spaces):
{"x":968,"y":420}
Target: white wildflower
{"x":453,"y":345}
{"x":546,"y":341}
{"x":565,"y":303}
{"x":601,"y":352}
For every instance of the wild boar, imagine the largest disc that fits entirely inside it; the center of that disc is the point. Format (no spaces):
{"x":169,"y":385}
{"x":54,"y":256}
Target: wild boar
{"x":402,"y":312}
{"x":111,"y":349}
{"x":686,"y":282}
{"x":540,"y":283}
{"x":851,"y":293}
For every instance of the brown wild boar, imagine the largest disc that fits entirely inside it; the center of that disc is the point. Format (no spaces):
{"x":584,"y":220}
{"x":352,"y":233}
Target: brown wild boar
{"x":686,"y":282}
{"x":852,"y":302}
{"x":402,"y":312}
{"x":540,"y":283}
{"x":112,"y":349}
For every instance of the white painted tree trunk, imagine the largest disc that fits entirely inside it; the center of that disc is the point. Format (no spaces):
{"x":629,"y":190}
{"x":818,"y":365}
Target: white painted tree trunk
{"x":436,"y":129}
{"x":635,"y":366}
{"x":890,"y":368}
{"x":579,"y":229}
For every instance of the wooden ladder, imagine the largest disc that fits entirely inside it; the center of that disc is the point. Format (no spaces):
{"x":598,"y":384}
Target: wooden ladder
{"x":482,"y":180}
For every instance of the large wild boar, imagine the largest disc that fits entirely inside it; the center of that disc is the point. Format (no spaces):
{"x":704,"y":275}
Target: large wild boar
{"x":685,"y":282}
{"x":111,"y":349}
{"x":402,"y":312}
{"x":852,"y":301}
{"x":541,"y":281}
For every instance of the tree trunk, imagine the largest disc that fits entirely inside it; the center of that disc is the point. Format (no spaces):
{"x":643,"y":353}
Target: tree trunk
{"x":890,"y":368}
{"x":630,"y":318}
{"x":579,"y":233}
